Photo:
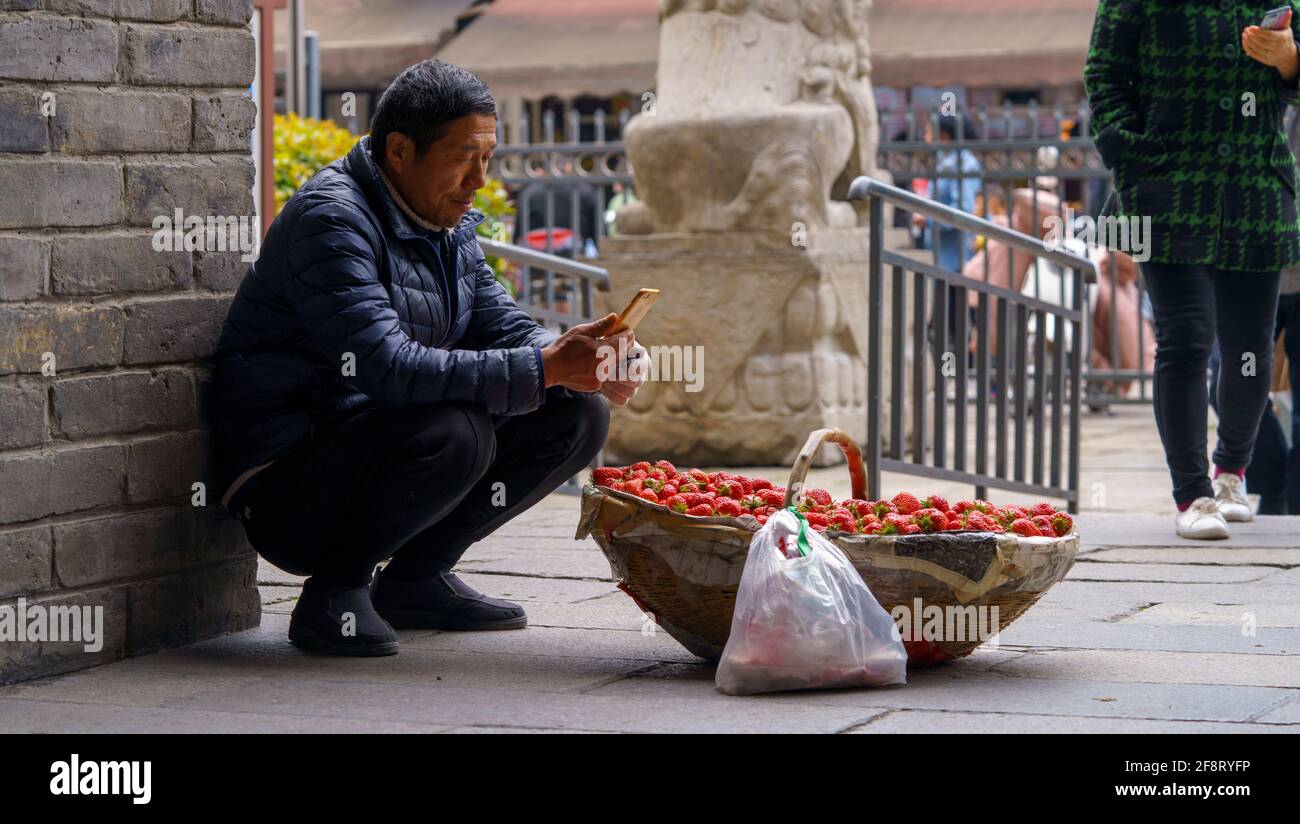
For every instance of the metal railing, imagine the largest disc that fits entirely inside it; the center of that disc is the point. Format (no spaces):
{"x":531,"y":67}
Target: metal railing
{"x":557,"y":293}
{"x":1009,"y":386}
{"x":1020,"y":150}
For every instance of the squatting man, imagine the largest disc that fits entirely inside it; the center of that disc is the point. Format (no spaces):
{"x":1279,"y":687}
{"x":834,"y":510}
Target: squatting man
{"x":378,"y":395}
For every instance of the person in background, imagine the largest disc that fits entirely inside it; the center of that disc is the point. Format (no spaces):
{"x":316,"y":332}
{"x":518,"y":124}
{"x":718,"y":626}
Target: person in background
{"x":1274,"y":470}
{"x":952,"y":246}
{"x":1216,"y":183}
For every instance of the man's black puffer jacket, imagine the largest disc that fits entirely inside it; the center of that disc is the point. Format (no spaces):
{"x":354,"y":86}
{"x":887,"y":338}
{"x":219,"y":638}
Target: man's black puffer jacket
{"x":342,"y":273}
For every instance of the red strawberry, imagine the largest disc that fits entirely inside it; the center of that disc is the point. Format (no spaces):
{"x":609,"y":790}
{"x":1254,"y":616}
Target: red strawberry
{"x":937,"y":502}
{"x":699,"y":475}
{"x":883,"y":508}
{"x":866,"y":521}
{"x":906,"y":503}
{"x":761,"y":483}
{"x":1044,"y":524}
{"x":894,"y":524}
{"x":666,"y":467}
{"x":689,"y":486}
{"x":634,"y":486}
{"x":751,"y":503}
{"x":911,"y":529}
{"x":817,"y":500}
{"x":676,"y":503}
{"x":1062,"y":524}
{"x":770,"y":497}
{"x":727,"y":506}
{"x":649,"y":496}
{"x":930,"y":520}
{"x":762,"y":519}
{"x":667,"y":491}
{"x":978,"y":506}
{"x":857,"y":506}
{"x":694,"y":499}
{"x":978,"y":521}
{"x":703,"y":510}
{"x":1024,"y":526}
{"x":640,"y":466}
{"x":729,"y":488}
{"x":817,"y":519}
{"x":652,"y":483}
{"x":843,"y":521}
{"x":1043,"y":508}
{"x":605,"y":475}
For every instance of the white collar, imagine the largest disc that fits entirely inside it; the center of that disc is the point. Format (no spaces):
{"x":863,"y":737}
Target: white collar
{"x":407,"y":210}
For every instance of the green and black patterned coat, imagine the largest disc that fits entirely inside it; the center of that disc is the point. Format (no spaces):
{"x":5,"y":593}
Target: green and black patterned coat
{"x":1191,"y":127}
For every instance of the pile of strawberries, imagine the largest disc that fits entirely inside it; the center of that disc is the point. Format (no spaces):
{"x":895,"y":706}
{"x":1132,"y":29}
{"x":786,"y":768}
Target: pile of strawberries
{"x":699,"y":493}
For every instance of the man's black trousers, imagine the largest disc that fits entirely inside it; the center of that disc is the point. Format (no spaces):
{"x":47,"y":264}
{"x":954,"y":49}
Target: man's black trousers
{"x":417,"y":484}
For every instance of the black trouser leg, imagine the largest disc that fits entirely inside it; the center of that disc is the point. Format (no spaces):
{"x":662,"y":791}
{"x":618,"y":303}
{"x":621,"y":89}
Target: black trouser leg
{"x":1289,"y":325}
{"x":1246,"y":304}
{"x":1182,"y":298}
{"x":1192,"y":304}
{"x":346,"y":499}
{"x":535,"y":454}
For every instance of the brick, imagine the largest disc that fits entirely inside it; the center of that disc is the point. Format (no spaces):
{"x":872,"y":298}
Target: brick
{"x":179,"y":609}
{"x":22,"y":126}
{"x":166,"y":467}
{"x":223,"y":123}
{"x":133,"y":546}
{"x":176,"y":329}
{"x":158,"y":11}
{"x":35,"y":659}
{"x":46,"y":193}
{"x":44,"y":48}
{"x":24,"y":266}
{"x":22,"y":416}
{"x":210,"y":187}
{"x":228,"y":12}
{"x":157,"y":55}
{"x":24,"y":561}
{"x":77,"y":336}
{"x":220,"y":271}
{"x":87,"y":121}
{"x":99,"y":264}
{"x":123,"y":403}
{"x":55,"y":482}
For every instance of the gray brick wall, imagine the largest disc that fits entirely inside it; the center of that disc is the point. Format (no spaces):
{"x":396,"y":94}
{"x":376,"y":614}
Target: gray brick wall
{"x":114,"y":114}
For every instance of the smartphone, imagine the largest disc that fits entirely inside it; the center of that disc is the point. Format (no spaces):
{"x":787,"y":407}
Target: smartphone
{"x":1274,"y":19}
{"x":636,"y":309}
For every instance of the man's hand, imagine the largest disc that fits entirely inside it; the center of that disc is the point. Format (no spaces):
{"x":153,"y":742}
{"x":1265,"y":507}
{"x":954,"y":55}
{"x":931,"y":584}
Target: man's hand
{"x":1274,"y":48}
{"x":573,"y":359}
{"x":620,"y":392}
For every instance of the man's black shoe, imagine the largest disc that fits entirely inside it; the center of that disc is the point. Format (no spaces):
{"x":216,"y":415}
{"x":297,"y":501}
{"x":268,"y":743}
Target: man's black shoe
{"x":442,"y":602}
{"x":340,"y":621}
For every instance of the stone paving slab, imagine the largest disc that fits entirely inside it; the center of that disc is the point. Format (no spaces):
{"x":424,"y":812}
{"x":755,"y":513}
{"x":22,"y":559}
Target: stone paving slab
{"x":955,"y":688}
{"x":49,"y":717}
{"x":443,"y":705}
{"x":995,"y":723}
{"x":1168,"y":573}
{"x":1036,"y":631}
{"x":1177,"y":614}
{"x":1157,"y":667}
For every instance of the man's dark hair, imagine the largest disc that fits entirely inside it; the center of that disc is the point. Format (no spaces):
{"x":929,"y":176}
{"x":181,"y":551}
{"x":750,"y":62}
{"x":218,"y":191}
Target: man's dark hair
{"x":422,"y":100}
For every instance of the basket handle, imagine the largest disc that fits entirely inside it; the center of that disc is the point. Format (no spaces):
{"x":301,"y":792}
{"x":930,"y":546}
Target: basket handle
{"x":798,"y":472}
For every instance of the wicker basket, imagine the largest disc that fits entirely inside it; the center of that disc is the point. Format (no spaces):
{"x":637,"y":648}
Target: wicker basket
{"x":685,"y":570}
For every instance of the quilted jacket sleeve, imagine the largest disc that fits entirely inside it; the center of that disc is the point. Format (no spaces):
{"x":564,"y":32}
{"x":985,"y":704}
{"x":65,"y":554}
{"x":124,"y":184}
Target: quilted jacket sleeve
{"x":333,"y":283}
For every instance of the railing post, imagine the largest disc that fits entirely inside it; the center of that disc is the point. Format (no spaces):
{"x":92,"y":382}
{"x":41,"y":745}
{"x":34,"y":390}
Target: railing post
{"x":875,"y":340}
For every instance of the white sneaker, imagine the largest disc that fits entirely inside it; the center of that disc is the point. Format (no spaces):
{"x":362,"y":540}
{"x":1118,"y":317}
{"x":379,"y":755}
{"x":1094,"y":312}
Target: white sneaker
{"x":1202,"y":521}
{"x":1230,"y":495}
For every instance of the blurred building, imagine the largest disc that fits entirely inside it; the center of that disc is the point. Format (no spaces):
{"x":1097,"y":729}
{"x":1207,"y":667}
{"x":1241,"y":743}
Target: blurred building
{"x":583,"y":55}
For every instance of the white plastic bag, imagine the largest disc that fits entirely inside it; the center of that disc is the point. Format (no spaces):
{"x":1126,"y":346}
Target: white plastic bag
{"x":806,"y":621}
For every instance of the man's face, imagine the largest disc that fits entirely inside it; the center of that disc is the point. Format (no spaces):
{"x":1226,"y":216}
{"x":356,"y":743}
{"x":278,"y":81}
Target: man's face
{"x":440,"y":185}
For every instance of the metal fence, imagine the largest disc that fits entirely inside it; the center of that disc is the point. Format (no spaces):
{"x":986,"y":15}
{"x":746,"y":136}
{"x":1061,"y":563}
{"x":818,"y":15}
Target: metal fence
{"x":558,"y":293}
{"x":1020,"y":153}
{"x":955,"y":369}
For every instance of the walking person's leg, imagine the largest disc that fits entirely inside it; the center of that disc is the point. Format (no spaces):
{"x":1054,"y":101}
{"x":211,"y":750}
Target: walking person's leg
{"x":347,"y":498}
{"x":1289,"y":326}
{"x":1182,"y":299}
{"x":535,"y":454}
{"x":1246,"y":315}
